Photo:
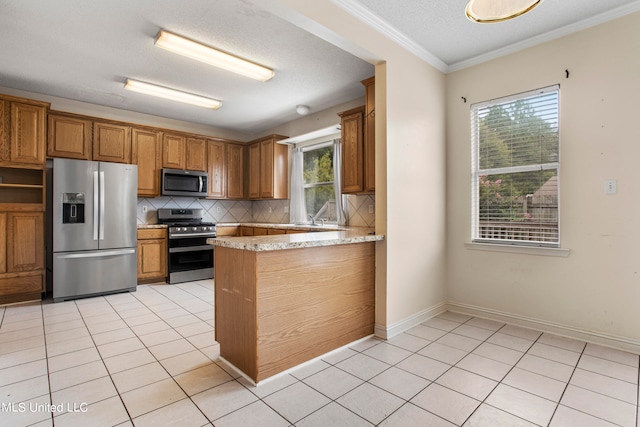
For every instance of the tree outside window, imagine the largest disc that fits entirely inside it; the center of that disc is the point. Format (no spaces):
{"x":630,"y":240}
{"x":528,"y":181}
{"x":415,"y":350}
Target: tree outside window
{"x":318,"y":183}
{"x":515,"y":168}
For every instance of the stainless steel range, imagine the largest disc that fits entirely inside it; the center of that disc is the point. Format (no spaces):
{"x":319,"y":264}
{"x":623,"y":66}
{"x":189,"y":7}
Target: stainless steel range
{"x":190,"y":257}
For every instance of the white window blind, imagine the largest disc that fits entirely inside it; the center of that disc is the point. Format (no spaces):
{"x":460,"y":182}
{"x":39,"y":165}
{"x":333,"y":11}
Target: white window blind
{"x":515,"y":168}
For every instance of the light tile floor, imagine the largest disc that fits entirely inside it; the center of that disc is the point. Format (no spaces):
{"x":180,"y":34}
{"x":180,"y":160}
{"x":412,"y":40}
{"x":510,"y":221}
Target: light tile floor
{"x":149,"y":358}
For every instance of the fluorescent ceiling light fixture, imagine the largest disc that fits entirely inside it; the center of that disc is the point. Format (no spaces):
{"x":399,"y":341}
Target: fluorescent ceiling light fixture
{"x":172,"y":94}
{"x":488,"y":11}
{"x":211,"y":56}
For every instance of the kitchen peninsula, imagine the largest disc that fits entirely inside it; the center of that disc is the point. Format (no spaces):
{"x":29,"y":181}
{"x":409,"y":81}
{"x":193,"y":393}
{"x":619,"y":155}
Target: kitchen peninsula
{"x":282,"y":300}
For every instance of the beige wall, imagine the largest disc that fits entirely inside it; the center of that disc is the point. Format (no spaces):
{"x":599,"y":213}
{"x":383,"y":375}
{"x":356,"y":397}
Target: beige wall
{"x":597,"y":287}
{"x":410,"y":166}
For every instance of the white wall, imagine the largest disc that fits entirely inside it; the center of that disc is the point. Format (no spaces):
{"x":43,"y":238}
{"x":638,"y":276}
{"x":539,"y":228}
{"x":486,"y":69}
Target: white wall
{"x":597,"y":287}
{"x":410,"y":164}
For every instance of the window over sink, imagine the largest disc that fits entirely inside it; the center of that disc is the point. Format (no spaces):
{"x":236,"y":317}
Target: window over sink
{"x":319,"y":191}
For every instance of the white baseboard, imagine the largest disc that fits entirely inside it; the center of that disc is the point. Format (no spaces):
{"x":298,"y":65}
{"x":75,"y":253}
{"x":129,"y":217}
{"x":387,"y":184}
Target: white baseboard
{"x":608,"y":340}
{"x":385,"y":333}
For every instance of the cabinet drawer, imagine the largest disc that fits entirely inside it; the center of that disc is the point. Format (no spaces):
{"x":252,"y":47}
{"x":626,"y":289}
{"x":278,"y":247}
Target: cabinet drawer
{"x":272,"y":231}
{"x":228,"y":231}
{"x":152,"y":233}
{"x":14,"y":285}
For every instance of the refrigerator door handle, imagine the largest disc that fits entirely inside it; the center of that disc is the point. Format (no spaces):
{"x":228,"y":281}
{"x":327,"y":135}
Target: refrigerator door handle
{"x":95,"y":205}
{"x":97,"y":254}
{"x":102,"y":205}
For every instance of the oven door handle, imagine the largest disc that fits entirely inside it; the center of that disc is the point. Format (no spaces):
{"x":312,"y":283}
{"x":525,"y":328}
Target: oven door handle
{"x":190,"y":248}
{"x":180,"y":236}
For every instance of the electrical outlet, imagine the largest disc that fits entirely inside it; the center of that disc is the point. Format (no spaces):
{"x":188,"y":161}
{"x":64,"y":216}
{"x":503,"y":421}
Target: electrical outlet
{"x":144,"y":208}
{"x":610,"y":186}
{"x":370,"y":209}
{"x":217,"y":209}
{"x":286,"y":209}
{"x":270,"y":209}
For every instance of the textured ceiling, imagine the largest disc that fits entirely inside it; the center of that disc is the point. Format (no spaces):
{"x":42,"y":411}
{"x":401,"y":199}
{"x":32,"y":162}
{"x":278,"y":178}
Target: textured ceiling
{"x":86,"y":49}
{"x":451,"y":41}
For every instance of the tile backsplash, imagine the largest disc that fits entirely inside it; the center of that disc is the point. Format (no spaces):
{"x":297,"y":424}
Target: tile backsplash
{"x":266,"y":211}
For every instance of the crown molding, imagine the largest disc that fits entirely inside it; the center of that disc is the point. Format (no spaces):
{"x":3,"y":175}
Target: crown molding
{"x":355,"y":9}
{"x":552,"y":35}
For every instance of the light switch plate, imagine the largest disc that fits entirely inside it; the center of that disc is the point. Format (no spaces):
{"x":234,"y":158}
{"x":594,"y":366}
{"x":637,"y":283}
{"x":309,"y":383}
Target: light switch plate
{"x":610,"y":186}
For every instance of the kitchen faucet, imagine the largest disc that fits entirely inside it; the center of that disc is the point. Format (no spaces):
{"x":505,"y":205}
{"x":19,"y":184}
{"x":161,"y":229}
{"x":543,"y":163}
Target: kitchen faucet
{"x":313,"y":221}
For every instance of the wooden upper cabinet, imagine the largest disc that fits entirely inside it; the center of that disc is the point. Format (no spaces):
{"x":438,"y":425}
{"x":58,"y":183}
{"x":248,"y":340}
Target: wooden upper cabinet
{"x":22,"y":132}
{"x":196,"y":154}
{"x":28,"y":133}
{"x":268,"y":168}
{"x":359,"y":145}
{"x":111,"y":142}
{"x":25,"y":241}
{"x":217,"y":169}
{"x":235,"y":171}
{"x":69,"y":137}
{"x":174,"y":151}
{"x":369,"y":153}
{"x":352,"y":150}
{"x":254,"y":171}
{"x":146,"y":152}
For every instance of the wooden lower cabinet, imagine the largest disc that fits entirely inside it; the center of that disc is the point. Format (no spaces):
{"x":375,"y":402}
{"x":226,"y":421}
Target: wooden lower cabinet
{"x":152,"y":255}
{"x":277,"y":309}
{"x":21,"y":256}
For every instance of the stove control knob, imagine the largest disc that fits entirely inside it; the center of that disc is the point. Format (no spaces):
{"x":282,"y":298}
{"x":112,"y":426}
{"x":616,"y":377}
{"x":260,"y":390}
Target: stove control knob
{"x":194,"y":228}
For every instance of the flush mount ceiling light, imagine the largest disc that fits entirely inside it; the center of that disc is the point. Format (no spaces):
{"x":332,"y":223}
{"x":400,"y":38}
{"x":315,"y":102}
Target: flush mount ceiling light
{"x":172,"y":94}
{"x":211,"y":56}
{"x":488,"y":11}
{"x":303,"y":110}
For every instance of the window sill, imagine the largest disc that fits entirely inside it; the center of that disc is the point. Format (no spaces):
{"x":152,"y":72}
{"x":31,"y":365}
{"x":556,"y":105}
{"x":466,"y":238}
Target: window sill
{"x":515,"y":249}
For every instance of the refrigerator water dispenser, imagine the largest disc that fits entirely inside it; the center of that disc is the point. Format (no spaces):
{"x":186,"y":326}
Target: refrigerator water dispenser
{"x":73,"y":208}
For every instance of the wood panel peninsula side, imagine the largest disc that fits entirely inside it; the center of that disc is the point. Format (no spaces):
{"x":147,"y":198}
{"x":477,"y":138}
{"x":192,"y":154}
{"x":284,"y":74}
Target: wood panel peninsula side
{"x":282,"y":300}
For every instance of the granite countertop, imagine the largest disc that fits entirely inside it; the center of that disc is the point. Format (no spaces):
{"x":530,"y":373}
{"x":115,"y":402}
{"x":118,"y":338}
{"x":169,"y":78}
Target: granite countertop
{"x":328,"y":227}
{"x":277,"y":242}
{"x":142,"y":226}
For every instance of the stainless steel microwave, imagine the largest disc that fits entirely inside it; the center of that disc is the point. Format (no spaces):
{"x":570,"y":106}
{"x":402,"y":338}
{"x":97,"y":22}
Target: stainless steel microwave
{"x":176,"y":182}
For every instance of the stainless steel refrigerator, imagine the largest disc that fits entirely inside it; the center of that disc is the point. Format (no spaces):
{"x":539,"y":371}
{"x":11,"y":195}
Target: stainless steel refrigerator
{"x":93,"y":226}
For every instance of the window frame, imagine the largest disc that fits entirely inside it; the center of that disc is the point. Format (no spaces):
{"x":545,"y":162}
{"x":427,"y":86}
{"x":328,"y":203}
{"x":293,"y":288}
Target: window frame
{"x":313,"y":147}
{"x":477,"y":172}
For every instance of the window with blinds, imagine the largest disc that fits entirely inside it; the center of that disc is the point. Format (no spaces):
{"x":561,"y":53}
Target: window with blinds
{"x":515,"y":168}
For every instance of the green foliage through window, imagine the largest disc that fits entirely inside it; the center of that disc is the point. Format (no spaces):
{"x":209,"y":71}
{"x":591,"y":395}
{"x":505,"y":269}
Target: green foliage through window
{"x":318,"y":183}
{"x":516,"y":163}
